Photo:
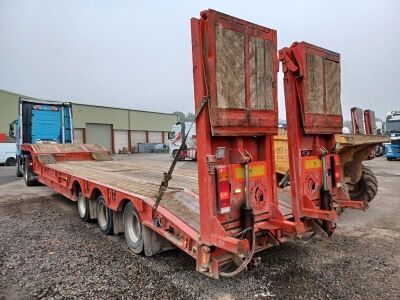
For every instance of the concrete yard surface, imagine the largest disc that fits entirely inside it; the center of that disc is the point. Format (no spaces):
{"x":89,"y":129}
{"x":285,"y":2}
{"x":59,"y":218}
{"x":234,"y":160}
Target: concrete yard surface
{"x":7,"y":174}
{"x":46,"y":251}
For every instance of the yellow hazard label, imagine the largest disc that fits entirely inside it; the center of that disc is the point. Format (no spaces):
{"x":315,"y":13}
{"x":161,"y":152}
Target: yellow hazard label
{"x":312,"y":163}
{"x":223,"y":174}
{"x":255,"y":170}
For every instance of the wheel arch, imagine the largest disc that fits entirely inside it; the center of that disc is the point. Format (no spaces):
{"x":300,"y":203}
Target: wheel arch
{"x":75,"y":189}
{"x":123,"y":203}
{"x":95,"y":193}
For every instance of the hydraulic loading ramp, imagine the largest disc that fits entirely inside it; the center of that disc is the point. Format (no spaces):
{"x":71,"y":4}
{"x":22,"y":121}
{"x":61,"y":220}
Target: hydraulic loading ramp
{"x":314,"y":116}
{"x":235,"y":70}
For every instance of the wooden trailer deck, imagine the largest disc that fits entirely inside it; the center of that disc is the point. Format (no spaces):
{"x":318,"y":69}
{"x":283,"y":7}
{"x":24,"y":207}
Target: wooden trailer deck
{"x":142,"y":174}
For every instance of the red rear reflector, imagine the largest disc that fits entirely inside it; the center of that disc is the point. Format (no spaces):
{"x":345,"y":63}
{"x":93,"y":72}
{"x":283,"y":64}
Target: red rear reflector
{"x":224,"y":195}
{"x":336,"y":169}
{"x":223,"y":189}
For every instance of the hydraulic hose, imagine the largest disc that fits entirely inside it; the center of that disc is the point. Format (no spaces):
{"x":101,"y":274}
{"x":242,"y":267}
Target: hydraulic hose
{"x":246,"y":261}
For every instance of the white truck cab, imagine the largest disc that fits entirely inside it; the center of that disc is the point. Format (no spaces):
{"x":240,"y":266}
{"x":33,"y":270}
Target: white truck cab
{"x":176,"y":135}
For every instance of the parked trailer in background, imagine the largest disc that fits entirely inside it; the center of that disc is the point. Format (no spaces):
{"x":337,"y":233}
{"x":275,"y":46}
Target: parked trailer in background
{"x":357,"y":120}
{"x":353,"y":149}
{"x":361,"y":145}
{"x":230,"y":208}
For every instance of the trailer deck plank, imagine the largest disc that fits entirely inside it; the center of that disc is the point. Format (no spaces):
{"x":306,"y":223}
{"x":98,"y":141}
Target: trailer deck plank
{"x":142,"y":174}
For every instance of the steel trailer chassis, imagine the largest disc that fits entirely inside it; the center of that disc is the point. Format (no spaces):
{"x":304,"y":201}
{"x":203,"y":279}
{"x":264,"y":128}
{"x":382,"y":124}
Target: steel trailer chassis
{"x":232,"y":209}
{"x":70,"y":169}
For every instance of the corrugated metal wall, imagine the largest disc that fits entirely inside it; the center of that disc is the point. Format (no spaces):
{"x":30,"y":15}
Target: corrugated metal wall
{"x":155,"y":124}
{"x":8,"y":110}
{"x":101,"y":115}
{"x":150,"y":121}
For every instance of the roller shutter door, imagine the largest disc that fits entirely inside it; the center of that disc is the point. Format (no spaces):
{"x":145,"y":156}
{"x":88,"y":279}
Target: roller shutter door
{"x":155,"y":136}
{"x":78,"y":136}
{"x":165,"y":137}
{"x":99,"y":134}
{"x":137,"y":137}
{"x":120,"y":140}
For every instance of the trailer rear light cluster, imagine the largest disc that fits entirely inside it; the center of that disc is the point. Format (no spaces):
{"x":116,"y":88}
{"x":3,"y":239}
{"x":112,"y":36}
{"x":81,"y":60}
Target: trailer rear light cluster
{"x":223,"y":189}
{"x":336,"y":170}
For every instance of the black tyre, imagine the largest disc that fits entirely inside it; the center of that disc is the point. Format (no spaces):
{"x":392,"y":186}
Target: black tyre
{"x":29,"y":175}
{"x":133,"y":229}
{"x":380,"y":151}
{"x":83,"y":207}
{"x":18,"y":170}
{"x":104,"y":216}
{"x":389,"y":158}
{"x":367,"y":188}
{"x":11,"y":161}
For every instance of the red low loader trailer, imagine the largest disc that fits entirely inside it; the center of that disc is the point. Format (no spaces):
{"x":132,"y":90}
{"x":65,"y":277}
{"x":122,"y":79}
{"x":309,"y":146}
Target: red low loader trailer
{"x":229,"y":208}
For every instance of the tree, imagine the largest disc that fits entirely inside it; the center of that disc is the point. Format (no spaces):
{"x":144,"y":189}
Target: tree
{"x":180,"y":114}
{"x":189,"y":117}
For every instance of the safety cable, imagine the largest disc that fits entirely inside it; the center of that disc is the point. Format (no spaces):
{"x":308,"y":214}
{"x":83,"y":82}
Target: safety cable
{"x":246,"y":261}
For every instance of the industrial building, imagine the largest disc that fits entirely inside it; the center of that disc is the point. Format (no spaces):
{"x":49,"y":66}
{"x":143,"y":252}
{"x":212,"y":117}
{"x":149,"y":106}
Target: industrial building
{"x":115,"y":128}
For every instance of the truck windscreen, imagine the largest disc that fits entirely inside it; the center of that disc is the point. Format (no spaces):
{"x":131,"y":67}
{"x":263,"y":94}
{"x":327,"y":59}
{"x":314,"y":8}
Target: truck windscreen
{"x":392,"y":126}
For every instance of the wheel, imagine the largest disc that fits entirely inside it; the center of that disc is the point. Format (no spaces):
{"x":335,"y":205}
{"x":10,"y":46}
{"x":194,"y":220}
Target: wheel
{"x":19,"y":172}
{"x":133,"y":229}
{"x":83,"y":207}
{"x":380,"y":150}
{"x":366,"y":188}
{"x":175,"y":153}
{"x":104,"y":216}
{"x":28,"y":173}
{"x":389,"y":158}
{"x":11,"y":161}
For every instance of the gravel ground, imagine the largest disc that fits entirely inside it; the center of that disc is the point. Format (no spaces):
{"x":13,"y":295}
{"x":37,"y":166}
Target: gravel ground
{"x":47,"y":252}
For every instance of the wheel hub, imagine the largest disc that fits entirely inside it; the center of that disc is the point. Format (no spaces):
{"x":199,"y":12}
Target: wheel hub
{"x":81,"y":206}
{"x":133,"y":227}
{"x":102,"y":215}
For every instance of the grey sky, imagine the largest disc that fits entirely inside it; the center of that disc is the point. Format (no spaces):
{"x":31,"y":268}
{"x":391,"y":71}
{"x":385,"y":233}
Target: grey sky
{"x":137,"y":55}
